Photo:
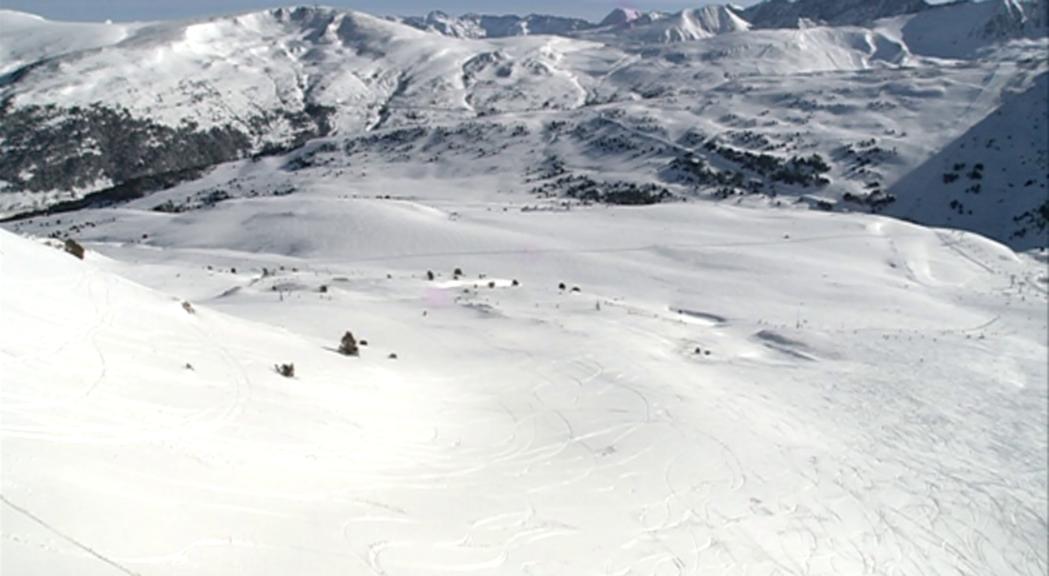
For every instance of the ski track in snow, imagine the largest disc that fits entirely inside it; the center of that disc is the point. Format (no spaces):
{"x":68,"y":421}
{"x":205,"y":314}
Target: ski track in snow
{"x":551,"y":454}
{"x":715,"y":389}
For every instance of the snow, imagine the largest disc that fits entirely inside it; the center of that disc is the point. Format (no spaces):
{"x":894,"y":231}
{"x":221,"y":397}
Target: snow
{"x":964,"y":29}
{"x":742,"y":387}
{"x":25,"y":38}
{"x":621,"y":17}
{"x":873,"y":398}
{"x":905,"y":81}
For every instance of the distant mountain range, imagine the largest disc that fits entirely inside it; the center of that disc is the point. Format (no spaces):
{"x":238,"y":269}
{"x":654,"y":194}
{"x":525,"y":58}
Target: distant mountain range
{"x":695,"y":23}
{"x":716,"y":100}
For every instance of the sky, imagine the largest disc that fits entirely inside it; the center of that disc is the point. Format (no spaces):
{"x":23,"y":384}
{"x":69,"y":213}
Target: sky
{"x":125,"y":10}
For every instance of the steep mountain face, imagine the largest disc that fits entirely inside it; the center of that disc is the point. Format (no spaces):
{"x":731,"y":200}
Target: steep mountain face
{"x":966,"y":29}
{"x":684,"y":26}
{"x":442,"y":23}
{"x":992,"y":177}
{"x":622,"y":17}
{"x":793,"y":13}
{"x":534,"y":24}
{"x":1016,"y":19}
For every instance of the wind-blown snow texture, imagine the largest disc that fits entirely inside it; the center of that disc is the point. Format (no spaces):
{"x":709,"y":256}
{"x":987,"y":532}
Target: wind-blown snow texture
{"x":601,"y":330}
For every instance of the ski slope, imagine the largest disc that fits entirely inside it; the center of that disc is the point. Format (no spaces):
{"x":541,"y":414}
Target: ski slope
{"x":721,"y":382}
{"x":731,"y":390}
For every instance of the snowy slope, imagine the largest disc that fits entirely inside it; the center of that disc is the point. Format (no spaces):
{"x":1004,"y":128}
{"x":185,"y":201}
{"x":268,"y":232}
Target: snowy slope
{"x":986,"y":178}
{"x":799,"y":13}
{"x":491,"y":26}
{"x":625,"y":17}
{"x":962,"y":30}
{"x":731,"y":390}
{"x":26,"y":39}
{"x":139,"y":396}
{"x":446,"y":25}
{"x":684,"y":26}
{"x":656,"y":358}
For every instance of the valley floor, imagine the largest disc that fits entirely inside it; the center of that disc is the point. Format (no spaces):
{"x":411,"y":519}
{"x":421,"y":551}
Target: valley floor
{"x":730,"y":391}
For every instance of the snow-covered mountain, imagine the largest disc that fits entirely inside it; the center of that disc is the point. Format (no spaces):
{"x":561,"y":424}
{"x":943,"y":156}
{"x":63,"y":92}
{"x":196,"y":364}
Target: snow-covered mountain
{"x":444,"y":24}
{"x":627,"y":16}
{"x":308,"y":291}
{"x":26,"y":39}
{"x":794,"y":13}
{"x":658,"y":28}
{"x":649,"y":27}
{"x":490,"y":26}
{"x":112,"y":114}
{"x":963,"y":30}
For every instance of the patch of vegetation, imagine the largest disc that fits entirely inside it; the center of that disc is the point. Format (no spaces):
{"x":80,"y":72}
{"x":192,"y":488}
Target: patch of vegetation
{"x":619,"y":192}
{"x":691,"y":169}
{"x":45,"y":148}
{"x":1035,"y":219}
{"x":875,"y":201}
{"x":803,"y":171}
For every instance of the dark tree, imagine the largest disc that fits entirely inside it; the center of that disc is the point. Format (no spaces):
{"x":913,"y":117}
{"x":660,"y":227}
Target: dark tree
{"x":285,"y":370}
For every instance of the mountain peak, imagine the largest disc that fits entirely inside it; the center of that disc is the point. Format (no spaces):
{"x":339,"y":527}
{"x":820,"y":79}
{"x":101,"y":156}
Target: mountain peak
{"x":621,"y":17}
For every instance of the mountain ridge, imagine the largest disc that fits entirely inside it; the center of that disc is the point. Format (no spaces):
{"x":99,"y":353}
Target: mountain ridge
{"x":157,"y":103}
